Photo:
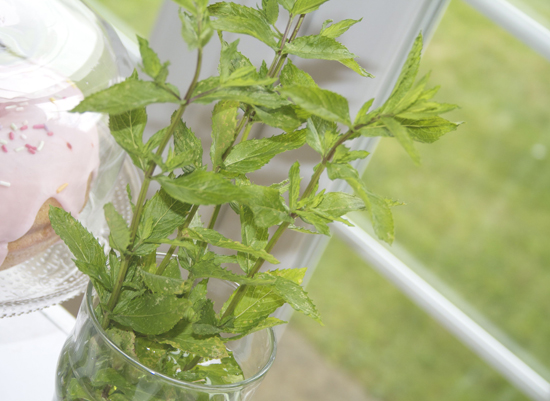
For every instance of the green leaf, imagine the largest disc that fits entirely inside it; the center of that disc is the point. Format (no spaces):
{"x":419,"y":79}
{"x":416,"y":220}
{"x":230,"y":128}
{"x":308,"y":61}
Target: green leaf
{"x":186,"y":142}
{"x":321,"y":135}
{"x":189,"y":30}
{"x":258,"y":302}
{"x":181,"y":336}
{"x":271,"y":10}
{"x":253,"y":95}
{"x":125,"y":96}
{"x":119,"y":237}
{"x":406,"y":78}
{"x":292,"y":75}
{"x":224,"y":125}
{"x":262,"y":325}
{"x":354,"y":66}
{"x":253,"y":154}
{"x":231,"y":60}
{"x":344,"y":155}
{"x":267,"y":205}
{"x":252,"y":236}
{"x":231,"y":17}
{"x":164,"y":215}
{"x":379,"y":208}
{"x":320,"y":223}
{"x":163,"y":285}
{"x":319,"y":102}
{"x":201,"y":188}
{"x":294,"y":191}
{"x":402,"y":136}
{"x":151,"y":314}
{"x":287,"y":4}
{"x":362,"y":114}
{"x":335,"y":30}
{"x":425,"y":131}
{"x":127,"y":129}
{"x":336,"y":204}
{"x":189,"y":5}
{"x":89,"y":254}
{"x":208,"y":269}
{"x":151,"y":62}
{"x":424,"y":109}
{"x":123,"y":339}
{"x":306,"y":6}
{"x":215,"y":238}
{"x":285,"y":118}
{"x":318,"y":47}
{"x":294,"y":295}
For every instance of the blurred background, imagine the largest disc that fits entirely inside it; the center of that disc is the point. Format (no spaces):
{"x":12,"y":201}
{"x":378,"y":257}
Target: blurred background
{"x":475,"y":226}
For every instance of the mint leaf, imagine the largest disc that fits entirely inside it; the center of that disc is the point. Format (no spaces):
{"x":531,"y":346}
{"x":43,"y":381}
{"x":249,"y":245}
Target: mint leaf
{"x":285,"y":118}
{"x":186,"y":142}
{"x":125,"y":96}
{"x":252,"y":236}
{"x":208,"y":269}
{"x":181,"y":337}
{"x":258,"y":302}
{"x":402,"y":136}
{"x":287,"y":4}
{"x":119,"y":237}
{"x":335,"y":30}
{"x":231,"y":60}
{"x":292,"y":75}
{"x":271,"y":10}
{"x":306,"y":6}
{"x":151,"y":62}
{"x":215,"y":238}
{"x":361,"y":116}
{"x":319,"y":102}
{"x":253,"y":154}
{"x":406,"y":78}
{"x":151,"y":314}
{"x":379,"y":208}
{"x":294,"y":295}
{"x":89,"y":254}
{"x":162,"y":214}
{"x":294,"y":190}
{"x":201,"y":188}
{"x":321,"y":135}
{"x":354,"y":66}
{"x":231,"y":17}
{"x":344,"y":155}
{"x":127,"y":130}
{"x":262,"y":325}
{"x":424,"y":109}
{"x":318,"y":47}
{"x":163,"y":285}
{"x":224,"y":124}
{"x":267,"y":205}
{"x":253,"y":95}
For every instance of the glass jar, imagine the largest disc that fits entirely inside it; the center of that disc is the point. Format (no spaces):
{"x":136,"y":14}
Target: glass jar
{"x":92,"y":367}
{"x":52,"y":54}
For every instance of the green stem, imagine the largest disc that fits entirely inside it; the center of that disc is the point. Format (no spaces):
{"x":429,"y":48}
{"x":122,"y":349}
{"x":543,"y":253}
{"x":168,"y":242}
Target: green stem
{"x":140,"y":204}
{"x":275,"y":62}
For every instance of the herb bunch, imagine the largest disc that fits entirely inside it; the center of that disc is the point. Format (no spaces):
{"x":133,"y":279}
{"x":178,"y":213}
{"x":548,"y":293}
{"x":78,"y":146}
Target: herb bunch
{"x":146,"y":306}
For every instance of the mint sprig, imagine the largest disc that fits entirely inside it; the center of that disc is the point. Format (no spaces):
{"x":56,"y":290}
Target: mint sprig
{"x":148,"y":306}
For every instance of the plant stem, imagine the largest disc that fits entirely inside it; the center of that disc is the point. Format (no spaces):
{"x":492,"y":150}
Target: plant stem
{"x":115,"y":295}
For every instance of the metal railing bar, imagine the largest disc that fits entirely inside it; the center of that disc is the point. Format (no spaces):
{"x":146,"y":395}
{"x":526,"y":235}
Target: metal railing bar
{"x":515,"y":21}
{"x":445,"y":312}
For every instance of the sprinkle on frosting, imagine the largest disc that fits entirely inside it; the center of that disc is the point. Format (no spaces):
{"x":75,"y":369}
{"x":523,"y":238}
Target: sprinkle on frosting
{"x":19,"y":149}
{"x":62,"y":187}
{"x":11,"y":106}
{"x":12,"y":136}
{"x":52,"y":99}
{"x":50,"y":133}
{"x":3,"y":142}
{"x":13,"y":126}
{"x":40,"y":146}
{"x":24,"y":127}
{"x":5,"y":184}
{"x":23,"y":136}
{"x":39,"y":126}
{"x":69,"y":146}
{"x":4,"y":148}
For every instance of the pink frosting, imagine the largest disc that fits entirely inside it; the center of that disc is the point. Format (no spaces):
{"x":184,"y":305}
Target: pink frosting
{"x":45,"y":152}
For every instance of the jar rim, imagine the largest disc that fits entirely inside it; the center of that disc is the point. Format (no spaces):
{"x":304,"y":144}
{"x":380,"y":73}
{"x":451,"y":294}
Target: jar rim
{"x":195,"y":386}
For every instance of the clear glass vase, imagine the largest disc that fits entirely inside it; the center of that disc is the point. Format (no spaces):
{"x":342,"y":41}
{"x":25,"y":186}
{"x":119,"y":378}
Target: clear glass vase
{"x":91,"y":367}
